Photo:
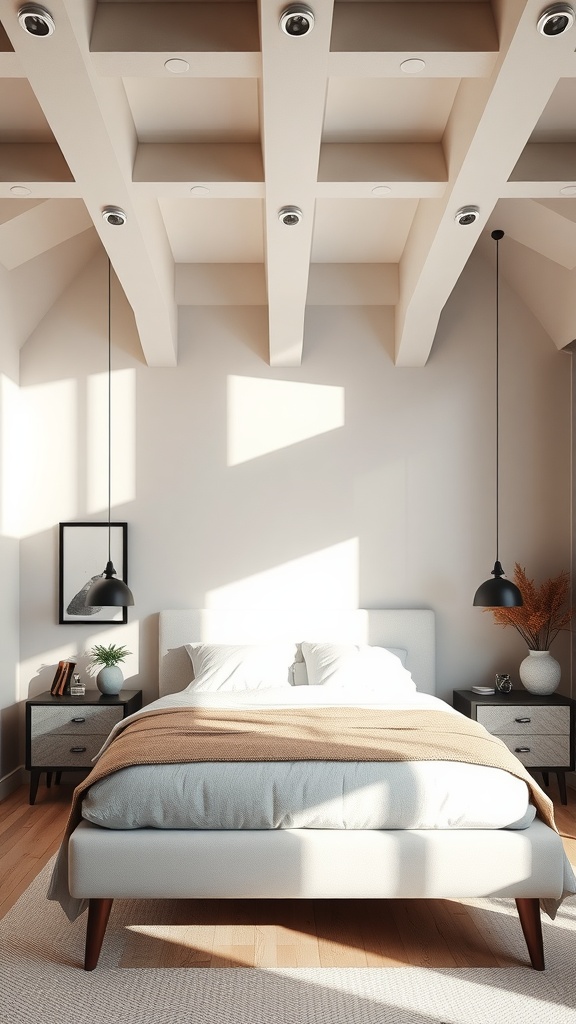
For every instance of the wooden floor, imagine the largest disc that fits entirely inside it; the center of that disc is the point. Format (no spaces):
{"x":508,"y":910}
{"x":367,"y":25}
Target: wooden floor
{"x":292,"y":933}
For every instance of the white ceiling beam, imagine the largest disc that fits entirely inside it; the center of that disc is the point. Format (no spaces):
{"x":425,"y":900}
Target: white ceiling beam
{"x":384,"y":64}
{"x":294,"y":80}
{"x":100,"y":158}
{"x":346,"y":170}
{"x":10,"y":66}
{"x":201,"y":65}
{"x":486,"y":133}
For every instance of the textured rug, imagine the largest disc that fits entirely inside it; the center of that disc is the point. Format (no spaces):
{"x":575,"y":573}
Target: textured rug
{"x":41,"y":980}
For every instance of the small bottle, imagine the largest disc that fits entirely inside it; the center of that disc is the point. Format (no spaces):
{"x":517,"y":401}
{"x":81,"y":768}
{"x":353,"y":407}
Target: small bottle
{"x":77,"y":687}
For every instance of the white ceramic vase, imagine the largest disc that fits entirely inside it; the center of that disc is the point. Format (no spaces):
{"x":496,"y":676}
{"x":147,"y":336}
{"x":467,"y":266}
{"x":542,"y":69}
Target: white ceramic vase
{"x":109,"y":680}
{"x":540,"y":672}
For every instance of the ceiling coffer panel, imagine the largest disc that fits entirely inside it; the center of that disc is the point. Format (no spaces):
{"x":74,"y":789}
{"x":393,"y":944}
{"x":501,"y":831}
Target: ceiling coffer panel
{"x":374,"y":123}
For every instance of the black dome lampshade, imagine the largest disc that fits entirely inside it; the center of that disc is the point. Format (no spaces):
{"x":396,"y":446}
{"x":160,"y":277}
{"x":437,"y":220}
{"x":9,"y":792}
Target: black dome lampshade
{"x":497,"y":592}
{"x":108,"y":591}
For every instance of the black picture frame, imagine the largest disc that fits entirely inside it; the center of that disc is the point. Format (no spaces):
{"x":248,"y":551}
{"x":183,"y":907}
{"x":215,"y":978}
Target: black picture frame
{"x":83,"y":554}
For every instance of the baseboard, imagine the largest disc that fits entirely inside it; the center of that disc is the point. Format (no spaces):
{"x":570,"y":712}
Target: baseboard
{"x":12,"y":781}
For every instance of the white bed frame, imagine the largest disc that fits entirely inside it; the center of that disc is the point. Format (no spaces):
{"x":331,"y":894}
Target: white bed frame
{"x":310,"y":863}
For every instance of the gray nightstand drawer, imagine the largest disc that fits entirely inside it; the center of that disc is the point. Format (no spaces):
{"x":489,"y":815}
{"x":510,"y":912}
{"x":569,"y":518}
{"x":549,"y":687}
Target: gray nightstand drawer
{"x":66,"y":751}
{"x":541,"y":750}
{"x":525,"y":720}
{"x":66,"y":733}
{"x":73,"y":720}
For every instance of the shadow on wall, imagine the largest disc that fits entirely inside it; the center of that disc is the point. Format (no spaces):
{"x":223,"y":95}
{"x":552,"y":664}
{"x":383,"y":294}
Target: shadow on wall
{"x":11,"y":738}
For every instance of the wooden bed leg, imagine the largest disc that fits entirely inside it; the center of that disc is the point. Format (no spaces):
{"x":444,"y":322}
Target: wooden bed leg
{"x":529,"y":914}
{"x":98,"y":914}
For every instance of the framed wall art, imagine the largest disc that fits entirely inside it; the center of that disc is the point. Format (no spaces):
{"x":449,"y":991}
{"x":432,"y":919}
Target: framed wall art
{"x":83,"y":554}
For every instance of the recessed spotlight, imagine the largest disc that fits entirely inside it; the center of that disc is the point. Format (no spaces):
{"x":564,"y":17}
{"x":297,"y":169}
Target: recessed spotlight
{"x":412,"y":66}
{"x":568,"y":190}
{"x":199,"y":190}
{"x":20,"y":190}
{"x":297,"y":20}
{"x":290,"y":215}
{"x":556,"y":20}
{"x":467,"y":215}
{"x":177,"y":65}
{"x":381,"y":190}
{"x":36,"y":20}
{"x":114,"y":215}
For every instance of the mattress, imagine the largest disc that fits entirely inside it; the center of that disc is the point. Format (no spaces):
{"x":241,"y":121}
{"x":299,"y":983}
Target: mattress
{"x":308,"y":794}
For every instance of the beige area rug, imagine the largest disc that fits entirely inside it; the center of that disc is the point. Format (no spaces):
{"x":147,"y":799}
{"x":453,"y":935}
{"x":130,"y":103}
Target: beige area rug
{"x":42,"y":982}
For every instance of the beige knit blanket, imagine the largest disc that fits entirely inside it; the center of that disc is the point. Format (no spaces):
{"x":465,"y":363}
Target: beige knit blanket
{"x":174,"y":735}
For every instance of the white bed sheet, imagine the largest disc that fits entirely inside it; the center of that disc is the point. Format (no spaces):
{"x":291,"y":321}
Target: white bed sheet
{"x":308,"y":794}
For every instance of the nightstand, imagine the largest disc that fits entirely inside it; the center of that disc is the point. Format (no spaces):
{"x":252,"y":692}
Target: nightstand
{"x":538,"y":730}
{"x":65,"y":733}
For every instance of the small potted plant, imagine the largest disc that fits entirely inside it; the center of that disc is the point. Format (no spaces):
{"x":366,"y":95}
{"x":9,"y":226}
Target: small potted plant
{"x":110,"y":678}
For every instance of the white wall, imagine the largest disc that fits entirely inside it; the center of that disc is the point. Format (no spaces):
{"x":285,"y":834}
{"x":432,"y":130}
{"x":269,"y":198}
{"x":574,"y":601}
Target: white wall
{"x":237,"y":492}
{"x":10,"y":756}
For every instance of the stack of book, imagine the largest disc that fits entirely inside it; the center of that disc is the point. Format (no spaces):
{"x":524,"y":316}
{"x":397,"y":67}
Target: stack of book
{"x":61,"y":685}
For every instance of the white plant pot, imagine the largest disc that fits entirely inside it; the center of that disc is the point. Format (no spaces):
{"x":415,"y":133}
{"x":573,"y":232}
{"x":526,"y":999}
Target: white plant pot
{"x":540,"y":672}
{"x":109,"y":680}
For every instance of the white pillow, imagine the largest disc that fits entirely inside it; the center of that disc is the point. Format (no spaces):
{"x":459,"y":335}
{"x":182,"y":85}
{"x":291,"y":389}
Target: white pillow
{"x":356,"y":666}
{"x":240,"y":667}
{"x":300,"y":674}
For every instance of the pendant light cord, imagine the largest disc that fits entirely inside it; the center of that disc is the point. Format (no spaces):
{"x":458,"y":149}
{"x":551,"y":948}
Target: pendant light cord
{"x":109,"y":405}
{"x":497,"y":389}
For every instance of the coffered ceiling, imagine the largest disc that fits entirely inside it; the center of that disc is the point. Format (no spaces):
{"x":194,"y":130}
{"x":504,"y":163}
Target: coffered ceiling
{"x":202,"y":120}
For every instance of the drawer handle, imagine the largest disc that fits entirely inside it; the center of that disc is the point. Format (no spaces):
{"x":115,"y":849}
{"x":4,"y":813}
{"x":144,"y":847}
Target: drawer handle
{"x":521,"y":750}
{"x":78,"y":719}
{"x":77,"y":750}
{"x":521,"y":720}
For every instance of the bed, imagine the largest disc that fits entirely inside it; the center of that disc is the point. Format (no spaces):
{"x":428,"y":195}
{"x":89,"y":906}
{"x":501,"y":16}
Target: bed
{"x":336,"y":842}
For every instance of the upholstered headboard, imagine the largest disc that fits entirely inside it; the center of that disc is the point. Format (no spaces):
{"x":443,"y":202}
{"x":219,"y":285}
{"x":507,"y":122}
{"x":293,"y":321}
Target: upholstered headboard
{"x":407,"y":628}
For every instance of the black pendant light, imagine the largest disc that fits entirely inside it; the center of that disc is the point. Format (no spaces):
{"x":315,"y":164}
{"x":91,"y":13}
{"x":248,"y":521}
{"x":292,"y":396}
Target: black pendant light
{"x":497,"y":592}
{"x":109,"y":591}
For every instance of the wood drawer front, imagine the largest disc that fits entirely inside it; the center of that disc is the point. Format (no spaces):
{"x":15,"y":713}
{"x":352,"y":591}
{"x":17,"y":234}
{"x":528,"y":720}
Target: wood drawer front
{"x":90,"y":719}
{"x":545,"y":751}
{"x":543,"y":720}
{"x":57,"y":750}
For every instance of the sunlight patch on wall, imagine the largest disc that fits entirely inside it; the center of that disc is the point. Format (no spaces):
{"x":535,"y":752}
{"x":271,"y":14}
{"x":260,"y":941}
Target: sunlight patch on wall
{"x":324,"y":579}
{"x":39,"y":475}
{"x":266,"y":415}
{"x":123,"y":459}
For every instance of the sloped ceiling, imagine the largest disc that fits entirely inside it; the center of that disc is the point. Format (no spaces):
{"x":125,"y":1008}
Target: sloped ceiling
{"x":201,"y":120}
